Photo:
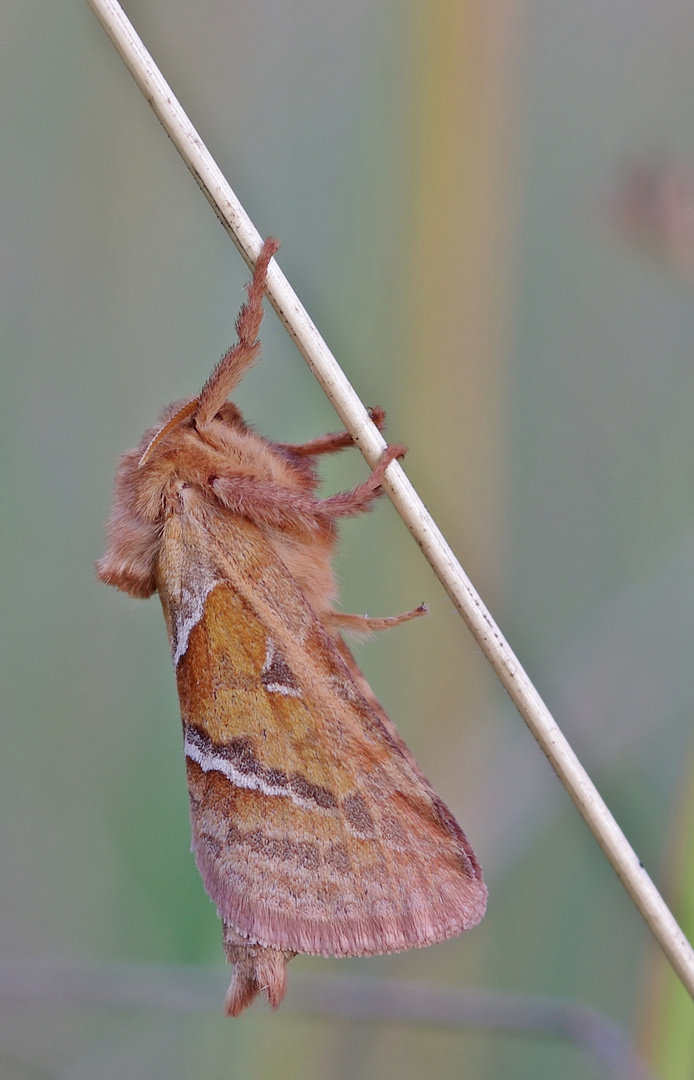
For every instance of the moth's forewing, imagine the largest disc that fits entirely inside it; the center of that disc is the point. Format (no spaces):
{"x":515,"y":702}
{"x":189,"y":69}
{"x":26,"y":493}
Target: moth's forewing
{"x":313,"y":830}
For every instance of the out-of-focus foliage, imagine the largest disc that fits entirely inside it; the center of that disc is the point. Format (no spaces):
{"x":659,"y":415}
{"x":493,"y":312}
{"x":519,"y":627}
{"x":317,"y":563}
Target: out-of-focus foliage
{"x":447,"y":181}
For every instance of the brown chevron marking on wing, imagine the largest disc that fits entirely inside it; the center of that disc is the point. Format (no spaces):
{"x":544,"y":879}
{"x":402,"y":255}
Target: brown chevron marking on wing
{"x":276,"y":675}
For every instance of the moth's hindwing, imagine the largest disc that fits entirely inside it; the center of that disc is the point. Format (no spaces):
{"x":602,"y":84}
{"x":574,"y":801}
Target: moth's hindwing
{"x":312,"y":830}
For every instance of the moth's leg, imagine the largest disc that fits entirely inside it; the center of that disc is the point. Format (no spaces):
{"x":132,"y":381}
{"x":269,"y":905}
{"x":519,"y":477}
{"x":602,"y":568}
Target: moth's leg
{"x":357,"y":501}
{"x":278,"y":508}
{"x":269,"y":504}
{"x":235,"y":363}
{"x":324,"y":444}
{"x":362,"y":624}
{"x":334,"y":442}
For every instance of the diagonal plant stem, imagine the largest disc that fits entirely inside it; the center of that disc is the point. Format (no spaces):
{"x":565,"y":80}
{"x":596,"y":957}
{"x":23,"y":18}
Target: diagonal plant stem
{"x":401,"y":493}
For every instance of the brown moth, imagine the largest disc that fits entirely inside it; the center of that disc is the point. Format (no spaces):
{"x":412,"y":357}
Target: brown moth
{"x":313,"y":828}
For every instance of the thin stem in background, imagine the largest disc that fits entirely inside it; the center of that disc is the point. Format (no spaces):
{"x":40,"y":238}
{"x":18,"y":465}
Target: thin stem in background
{"x":347,"y":997}
{"x":401,"y":493}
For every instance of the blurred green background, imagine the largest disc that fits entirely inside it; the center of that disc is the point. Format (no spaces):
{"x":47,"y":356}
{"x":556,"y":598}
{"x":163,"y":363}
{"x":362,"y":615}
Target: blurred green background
{"x":488,"y":209}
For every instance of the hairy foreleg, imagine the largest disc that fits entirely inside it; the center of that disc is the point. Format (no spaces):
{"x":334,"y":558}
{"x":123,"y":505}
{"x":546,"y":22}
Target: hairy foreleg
{"x":333,"y":442}
{"x":276,"y":507}
{"x":358,"y":501}
{"x":270,"y":504}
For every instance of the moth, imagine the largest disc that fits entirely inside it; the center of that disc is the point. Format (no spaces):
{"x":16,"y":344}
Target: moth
{"x":313,"y":827}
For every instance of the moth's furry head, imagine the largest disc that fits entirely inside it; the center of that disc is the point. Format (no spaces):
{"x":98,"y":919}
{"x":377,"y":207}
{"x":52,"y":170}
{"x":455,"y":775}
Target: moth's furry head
{"x":155,"y":475}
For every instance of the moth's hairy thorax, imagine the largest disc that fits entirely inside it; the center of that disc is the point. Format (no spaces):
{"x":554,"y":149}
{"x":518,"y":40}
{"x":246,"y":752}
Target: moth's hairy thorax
{"x":237,"y":452}
{"x":184,"y":476}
